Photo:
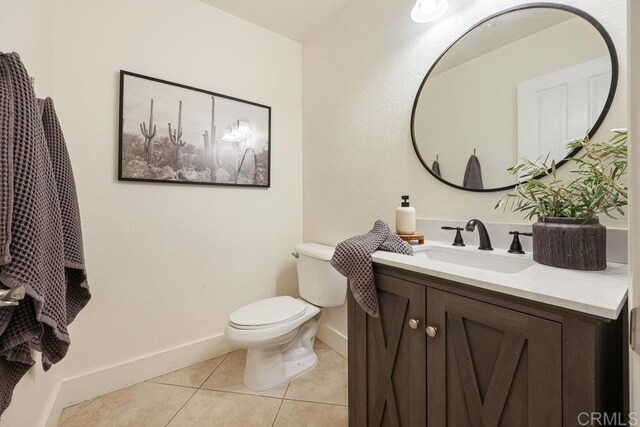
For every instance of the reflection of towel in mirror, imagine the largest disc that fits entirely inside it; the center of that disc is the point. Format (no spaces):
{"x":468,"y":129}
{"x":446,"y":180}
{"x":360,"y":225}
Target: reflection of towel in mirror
{"x":473,"y":174}
{"x":435,"y":168}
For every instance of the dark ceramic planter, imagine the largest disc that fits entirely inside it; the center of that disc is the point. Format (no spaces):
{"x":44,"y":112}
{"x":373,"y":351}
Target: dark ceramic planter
{"x":576,"y":244}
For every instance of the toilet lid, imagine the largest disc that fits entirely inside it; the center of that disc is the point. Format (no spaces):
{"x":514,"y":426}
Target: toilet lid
{"x":268,"y":311}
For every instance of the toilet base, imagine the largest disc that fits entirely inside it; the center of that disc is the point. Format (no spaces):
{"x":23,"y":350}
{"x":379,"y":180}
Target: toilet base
{"x":270,"y":367}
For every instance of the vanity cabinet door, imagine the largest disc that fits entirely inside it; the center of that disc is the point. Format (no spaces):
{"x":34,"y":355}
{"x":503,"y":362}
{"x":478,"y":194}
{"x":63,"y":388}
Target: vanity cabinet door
{"x":489,"y":366}
{"x":387,"y":357}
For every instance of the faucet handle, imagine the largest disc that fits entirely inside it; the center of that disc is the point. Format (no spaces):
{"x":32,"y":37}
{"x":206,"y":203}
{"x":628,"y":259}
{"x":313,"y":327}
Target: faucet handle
{"x":458,"y":239}
{"x":516,"y":246}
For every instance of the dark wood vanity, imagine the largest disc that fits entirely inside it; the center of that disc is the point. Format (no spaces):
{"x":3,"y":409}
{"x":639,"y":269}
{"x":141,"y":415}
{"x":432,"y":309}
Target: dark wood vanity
{"x":505,"y":344}
{"x":444,"y":353}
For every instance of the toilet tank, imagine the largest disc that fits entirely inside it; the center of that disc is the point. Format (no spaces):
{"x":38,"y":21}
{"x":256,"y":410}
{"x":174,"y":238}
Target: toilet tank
{"x":318,"y":282}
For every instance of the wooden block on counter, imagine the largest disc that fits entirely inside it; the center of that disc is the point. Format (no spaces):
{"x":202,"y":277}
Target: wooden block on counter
{"x":416,"y":237}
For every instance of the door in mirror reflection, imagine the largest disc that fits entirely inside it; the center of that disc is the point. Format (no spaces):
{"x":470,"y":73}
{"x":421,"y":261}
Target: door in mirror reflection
{"x":520,"y":84}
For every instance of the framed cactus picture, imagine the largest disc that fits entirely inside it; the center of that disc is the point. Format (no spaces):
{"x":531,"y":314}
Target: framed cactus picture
{"x":175,"y":133}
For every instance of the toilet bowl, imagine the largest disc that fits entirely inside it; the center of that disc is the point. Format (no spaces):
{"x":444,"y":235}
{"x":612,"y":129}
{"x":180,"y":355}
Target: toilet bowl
{"x":279,"y":332}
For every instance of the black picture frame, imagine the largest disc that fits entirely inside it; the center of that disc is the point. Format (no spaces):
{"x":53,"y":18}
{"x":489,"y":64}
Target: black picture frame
{"x":121,"y":176}
{"x":612,"y":90}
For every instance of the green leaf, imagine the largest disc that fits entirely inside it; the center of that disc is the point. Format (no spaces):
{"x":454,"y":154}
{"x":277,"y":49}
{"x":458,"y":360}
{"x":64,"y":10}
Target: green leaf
{"x":595,"y":187}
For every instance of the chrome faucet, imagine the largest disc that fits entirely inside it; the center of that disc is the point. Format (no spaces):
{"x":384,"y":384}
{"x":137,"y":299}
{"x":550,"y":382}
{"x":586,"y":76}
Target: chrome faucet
{"x":485,"y":241}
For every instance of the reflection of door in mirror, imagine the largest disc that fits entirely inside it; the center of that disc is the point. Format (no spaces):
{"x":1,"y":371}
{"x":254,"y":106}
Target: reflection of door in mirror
{"x":519,"y":84}
{"x":560,"y":106}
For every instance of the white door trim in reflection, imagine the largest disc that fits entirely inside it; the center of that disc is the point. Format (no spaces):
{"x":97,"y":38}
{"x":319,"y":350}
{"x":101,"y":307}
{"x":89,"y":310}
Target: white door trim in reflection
{"x":561,"y":106}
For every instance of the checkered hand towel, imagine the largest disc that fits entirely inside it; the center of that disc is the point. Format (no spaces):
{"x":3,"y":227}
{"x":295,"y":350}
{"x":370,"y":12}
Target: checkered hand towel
{"x":352,"y":258}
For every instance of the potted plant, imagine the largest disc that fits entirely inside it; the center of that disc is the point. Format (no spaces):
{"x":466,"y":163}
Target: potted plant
{"x":568,"y":233}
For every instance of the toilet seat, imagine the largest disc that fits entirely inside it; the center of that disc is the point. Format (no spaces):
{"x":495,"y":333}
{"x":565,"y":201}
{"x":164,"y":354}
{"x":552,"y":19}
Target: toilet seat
{"x":268,"y":313}
{"x":259,"y":335}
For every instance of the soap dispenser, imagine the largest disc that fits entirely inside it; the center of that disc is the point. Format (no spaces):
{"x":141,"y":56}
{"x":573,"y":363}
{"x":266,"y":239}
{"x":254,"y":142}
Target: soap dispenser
{"x":405,"y":218}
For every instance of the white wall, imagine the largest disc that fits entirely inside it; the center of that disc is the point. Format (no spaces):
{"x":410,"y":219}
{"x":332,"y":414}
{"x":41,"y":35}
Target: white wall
{"x":360,"y":76}
{"x":167,"y":263}
{"x":26,"y":28}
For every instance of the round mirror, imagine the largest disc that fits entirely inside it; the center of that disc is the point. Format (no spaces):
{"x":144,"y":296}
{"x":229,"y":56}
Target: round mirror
{"x":519,"y":84}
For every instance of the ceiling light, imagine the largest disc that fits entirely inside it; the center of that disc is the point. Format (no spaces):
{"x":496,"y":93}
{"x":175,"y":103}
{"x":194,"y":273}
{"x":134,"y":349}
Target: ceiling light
{"x":429,"y":10}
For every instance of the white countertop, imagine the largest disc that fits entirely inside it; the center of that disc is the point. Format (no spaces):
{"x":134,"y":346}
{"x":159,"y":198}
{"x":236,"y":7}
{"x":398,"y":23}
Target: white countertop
{"x":599,"y":293}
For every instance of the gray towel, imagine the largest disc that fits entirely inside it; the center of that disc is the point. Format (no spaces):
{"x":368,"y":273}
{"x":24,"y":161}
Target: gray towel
{"x":435,"y":168}
{"x":473,"y":174}
{"x":40,"y":236}
{"x":352,"y":258}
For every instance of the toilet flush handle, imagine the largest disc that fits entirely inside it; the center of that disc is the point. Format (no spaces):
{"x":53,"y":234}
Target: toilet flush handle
{"x":295,"y":254}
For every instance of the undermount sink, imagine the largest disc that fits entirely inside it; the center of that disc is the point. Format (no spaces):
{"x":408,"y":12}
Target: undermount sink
{"x":483,"y":260}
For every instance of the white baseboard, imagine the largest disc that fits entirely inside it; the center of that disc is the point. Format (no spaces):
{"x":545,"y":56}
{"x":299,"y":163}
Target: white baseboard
{"x":88,"y":386}
{"x":333,"y":338}
{"x":50,"y":408}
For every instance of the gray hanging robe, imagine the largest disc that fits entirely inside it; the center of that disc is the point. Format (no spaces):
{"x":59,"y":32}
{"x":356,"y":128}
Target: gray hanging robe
{"x":40,"y":236}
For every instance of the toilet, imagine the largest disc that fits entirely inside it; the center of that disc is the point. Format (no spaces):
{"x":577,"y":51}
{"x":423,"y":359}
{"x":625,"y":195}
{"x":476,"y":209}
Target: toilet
{"x":279,"y":332}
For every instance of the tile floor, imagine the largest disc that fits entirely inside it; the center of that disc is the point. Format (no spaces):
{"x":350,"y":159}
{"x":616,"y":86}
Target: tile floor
{"x":211,"y":393}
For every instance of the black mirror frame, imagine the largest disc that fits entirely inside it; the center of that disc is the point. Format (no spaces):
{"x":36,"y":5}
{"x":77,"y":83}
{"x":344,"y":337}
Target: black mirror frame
{"x":605,"y":110}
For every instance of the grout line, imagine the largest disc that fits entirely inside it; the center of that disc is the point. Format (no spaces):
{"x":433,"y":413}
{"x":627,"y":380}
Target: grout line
{"x":219,"y":364}
{"x":330,"y":348}
{"x":281,"y":402}
{"x":277,"y":413}
{"x":340,"y":355}
{"x":88,"y":402}
{"x":241,"y":393}
{"x":169,"y":384}
{"x":327,"y":346}
{"x":314,"y":401}
{"x":151,"y":380}
{"x":181,"y":408}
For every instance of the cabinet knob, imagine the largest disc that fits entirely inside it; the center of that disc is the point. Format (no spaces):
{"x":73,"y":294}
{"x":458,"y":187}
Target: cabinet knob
{"x":413,"y":323}
{"x":431,"y":331}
